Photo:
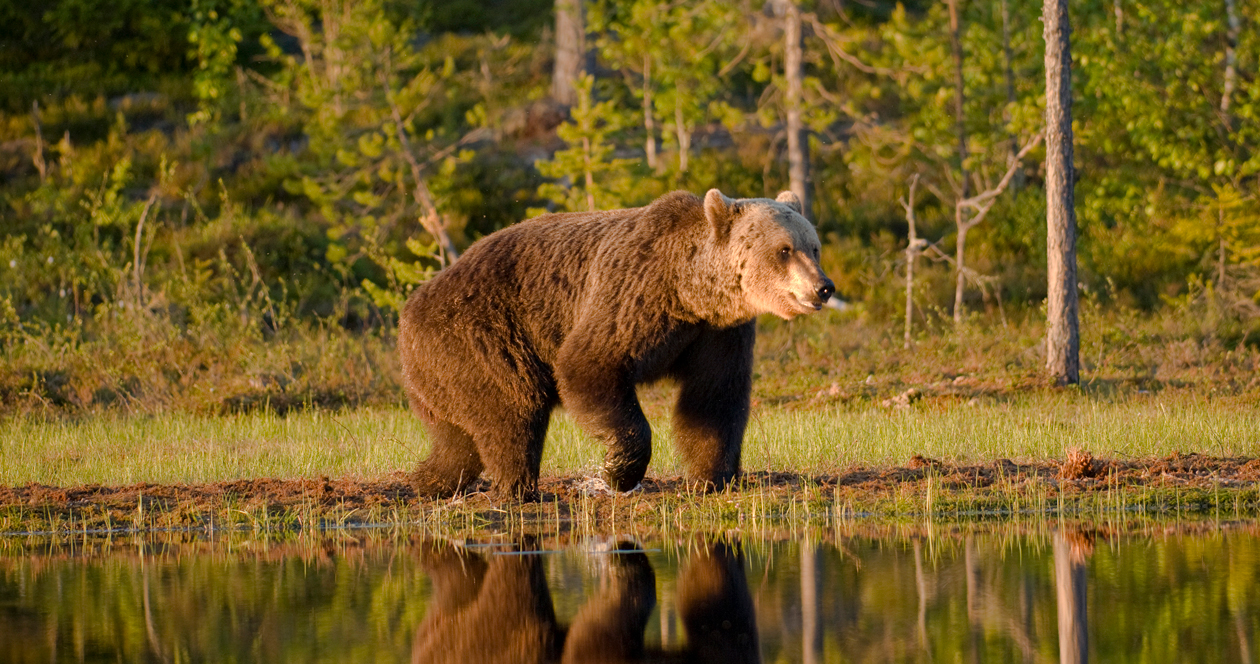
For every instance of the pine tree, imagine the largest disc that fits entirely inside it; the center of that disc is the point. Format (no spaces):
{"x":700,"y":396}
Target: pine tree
{"x":586,"y":176}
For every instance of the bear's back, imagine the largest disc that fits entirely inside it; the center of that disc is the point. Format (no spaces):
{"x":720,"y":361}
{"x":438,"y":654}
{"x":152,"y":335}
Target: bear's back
{"x":530,"y":276}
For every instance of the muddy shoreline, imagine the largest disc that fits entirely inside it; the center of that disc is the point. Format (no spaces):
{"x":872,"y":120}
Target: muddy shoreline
{"x":1190,"y":484}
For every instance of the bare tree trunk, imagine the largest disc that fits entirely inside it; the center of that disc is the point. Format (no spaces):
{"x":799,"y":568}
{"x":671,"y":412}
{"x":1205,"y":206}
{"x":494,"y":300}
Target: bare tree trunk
{"x":138,"y":259}
{"x":680,"y":128}
{"x":590,"y":178}
{"x":955,"y":46}
{"x":1008,"y":73}
{"x":980,"y":204}
{"x":798,"y":140}
{"x":649,"y":122}
{"x":40,"y":164}
{"x":1231,"y":59}
{"x":1233,"y":27}
{"x":1063,"y":333}
{"x":240,"y":87}
{"x":432,"y":220}
{"x":811,"y":627}
{"x":1221,"y":247}
{"x":570,"y":51}
{"x":1118,"y":9}
{"x":960,"y":278}
{"x":912,"y":256}
{"x":1069,"y":582}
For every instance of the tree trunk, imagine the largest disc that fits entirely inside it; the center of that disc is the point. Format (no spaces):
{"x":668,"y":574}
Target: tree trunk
{"x":1231,"y":59}
{"x":590,"y":178}
{"x":798,"y":140}
{"x":433,"y":221}
{"x":1069,"y":582}
{"x":570,"y":51}
{"x":1221,"y":247}
{"x":960,"y":280}
{"x":684,"y":135}
{"x":980,"y":206}
{"x":1008,"y":73}
{"x":649,"y":122}
{"x":955,"y":46}
{"x":40,"y":164}
{"x":912,"y":256}
{"x":1063,"y":330}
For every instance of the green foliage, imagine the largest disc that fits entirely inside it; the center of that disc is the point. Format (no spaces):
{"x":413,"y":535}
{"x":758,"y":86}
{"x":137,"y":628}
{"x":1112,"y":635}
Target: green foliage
{"x":293,"y":159}
{"x":213,"y":43}
{"x":525,"y":19}
{"x":588,"y":178}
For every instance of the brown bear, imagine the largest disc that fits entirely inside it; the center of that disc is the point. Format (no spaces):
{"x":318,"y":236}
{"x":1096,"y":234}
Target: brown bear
{"x":579,"y":308}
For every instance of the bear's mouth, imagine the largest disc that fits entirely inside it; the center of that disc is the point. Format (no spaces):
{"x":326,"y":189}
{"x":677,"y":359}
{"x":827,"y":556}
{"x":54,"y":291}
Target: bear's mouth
{"x":806,"y":305}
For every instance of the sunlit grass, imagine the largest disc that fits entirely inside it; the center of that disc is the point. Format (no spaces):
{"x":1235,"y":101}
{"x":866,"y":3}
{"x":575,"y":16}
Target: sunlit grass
{"x":365,"y":443}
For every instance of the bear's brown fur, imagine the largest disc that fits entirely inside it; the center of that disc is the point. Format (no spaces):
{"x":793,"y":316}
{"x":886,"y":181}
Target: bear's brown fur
{"x":580,"y":308}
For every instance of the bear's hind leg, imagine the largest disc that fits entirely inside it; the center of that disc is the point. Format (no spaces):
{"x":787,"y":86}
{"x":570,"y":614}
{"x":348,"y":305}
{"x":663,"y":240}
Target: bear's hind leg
{"x":452,"y":465}
{"x":513,"y":454}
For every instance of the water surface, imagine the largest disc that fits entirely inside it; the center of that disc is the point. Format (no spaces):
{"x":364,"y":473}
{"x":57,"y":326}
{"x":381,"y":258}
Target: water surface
{"x":1167,"y":594}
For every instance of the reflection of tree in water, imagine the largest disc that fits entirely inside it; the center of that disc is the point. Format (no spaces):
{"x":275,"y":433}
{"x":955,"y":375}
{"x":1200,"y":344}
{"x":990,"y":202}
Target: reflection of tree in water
{"x":964,"y":597}
{"x":1070,"y":551}
{"x":497,"y":608}
{"x":941,"y":595}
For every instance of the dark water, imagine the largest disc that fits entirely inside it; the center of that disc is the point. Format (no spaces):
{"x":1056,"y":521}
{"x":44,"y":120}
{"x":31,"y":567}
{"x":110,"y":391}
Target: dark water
{"x":933,"y":595}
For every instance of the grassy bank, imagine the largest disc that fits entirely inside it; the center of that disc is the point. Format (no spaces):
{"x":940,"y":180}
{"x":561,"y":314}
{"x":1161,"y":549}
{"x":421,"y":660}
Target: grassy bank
{"x":1032,"y":426}
{"x":938,"y":456}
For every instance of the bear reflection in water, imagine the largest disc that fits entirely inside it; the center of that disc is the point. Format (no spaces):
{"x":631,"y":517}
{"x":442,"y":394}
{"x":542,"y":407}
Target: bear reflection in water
{"x":498,"y":608}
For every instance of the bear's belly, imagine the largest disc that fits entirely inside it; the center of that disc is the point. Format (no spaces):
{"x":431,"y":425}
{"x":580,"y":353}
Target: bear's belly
{"x":657,"y":361}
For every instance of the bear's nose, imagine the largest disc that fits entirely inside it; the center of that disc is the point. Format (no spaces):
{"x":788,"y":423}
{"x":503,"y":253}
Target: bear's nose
{"x":826,"y":289}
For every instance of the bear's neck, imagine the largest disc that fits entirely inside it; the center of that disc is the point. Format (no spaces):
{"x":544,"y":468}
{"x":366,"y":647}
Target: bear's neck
{"x":709,"y":286}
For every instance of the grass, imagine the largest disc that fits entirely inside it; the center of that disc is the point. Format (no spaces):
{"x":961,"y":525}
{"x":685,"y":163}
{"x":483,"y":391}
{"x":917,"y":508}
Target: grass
{"x":1037,"y":425}
{"x":841,"y":414}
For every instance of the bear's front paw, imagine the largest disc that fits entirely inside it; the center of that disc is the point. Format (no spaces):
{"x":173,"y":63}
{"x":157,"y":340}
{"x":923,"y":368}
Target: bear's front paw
{"x":625,"y":469}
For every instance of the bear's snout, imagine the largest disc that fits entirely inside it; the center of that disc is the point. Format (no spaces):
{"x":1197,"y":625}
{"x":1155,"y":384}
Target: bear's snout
{"x":825,"y":289}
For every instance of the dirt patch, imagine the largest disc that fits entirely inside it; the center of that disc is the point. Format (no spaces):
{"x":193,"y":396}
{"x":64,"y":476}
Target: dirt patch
{"x":1190,"y":481}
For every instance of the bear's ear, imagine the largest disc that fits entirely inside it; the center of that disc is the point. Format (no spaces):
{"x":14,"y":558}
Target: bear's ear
{"x":789,"y":199}
{"x":717,"y":210}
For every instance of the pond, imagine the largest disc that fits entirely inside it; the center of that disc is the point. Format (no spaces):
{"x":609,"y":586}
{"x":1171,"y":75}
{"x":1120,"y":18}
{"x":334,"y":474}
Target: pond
{"x":1159,"y":593}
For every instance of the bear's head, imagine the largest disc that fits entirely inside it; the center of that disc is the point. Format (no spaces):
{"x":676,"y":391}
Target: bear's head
{"x":773,"y":249}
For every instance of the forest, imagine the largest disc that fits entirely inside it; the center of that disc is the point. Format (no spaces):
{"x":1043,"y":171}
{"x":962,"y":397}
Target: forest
{"x":220,"y":205}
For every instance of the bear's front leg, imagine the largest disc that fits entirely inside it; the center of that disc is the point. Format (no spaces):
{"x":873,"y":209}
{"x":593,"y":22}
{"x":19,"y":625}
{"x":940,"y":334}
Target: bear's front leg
{"x":602,"y":400}
{"x":715,"y":386}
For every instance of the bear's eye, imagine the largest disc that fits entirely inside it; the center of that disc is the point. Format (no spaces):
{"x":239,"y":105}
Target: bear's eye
{"x":785,"y":253}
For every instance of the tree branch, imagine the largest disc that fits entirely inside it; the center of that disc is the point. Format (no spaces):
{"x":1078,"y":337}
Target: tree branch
{"x":431,"y":220}
{"x":831,"y":39}
{"x":978,"y":201}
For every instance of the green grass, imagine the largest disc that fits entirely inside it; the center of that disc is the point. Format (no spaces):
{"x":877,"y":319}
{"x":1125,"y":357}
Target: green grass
{"x":174,"y":448}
